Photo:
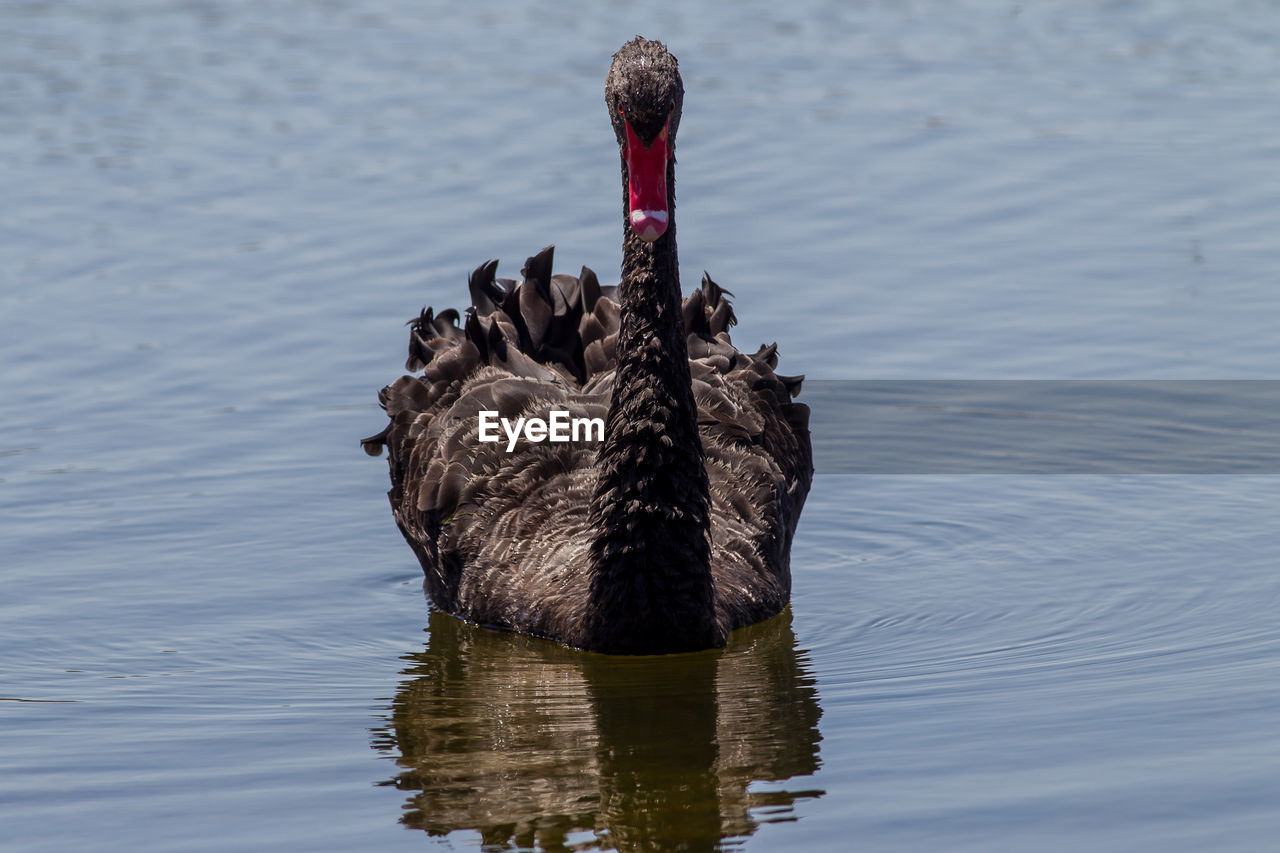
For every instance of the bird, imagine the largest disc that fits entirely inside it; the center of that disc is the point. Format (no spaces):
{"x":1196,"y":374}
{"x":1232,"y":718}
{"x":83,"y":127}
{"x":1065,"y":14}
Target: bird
{"x":660,"y":533}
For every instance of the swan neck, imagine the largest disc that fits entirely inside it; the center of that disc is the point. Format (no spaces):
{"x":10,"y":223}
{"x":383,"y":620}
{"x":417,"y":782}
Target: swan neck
{"x":651,"y":584}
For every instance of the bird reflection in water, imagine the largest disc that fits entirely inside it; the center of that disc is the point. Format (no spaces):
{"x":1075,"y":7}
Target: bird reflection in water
{"x":535,"y":745}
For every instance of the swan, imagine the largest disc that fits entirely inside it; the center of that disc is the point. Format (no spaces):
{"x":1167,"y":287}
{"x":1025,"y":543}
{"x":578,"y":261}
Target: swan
{"x":671,"y":529}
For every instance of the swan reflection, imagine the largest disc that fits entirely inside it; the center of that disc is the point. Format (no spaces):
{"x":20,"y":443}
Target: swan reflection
{"x":535,"y":745}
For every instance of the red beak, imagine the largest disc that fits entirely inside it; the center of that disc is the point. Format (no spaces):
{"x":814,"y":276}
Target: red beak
{"x":647,"y":184}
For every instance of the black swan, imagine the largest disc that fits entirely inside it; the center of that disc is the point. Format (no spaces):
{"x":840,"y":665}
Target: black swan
{"x":674,"y":529}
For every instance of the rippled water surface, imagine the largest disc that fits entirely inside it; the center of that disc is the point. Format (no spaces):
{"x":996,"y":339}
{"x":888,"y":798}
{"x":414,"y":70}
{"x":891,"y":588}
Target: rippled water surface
{"x":217,"y":217}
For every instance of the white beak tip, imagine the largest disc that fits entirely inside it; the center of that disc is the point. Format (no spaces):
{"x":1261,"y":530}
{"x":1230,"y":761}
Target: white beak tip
{"x":649,"y":225}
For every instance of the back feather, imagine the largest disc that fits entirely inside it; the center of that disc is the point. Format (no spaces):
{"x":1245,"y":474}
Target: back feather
{"x":503,"y":536}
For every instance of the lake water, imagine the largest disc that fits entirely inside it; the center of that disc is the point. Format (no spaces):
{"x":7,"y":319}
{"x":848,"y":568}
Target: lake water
{"x":219,"y":214}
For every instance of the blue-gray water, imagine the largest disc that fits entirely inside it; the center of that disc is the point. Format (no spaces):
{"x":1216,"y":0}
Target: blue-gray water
{"x":217,"y":216}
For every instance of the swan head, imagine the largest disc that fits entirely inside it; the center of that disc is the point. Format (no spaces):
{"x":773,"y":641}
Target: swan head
{"x":644,"y":94}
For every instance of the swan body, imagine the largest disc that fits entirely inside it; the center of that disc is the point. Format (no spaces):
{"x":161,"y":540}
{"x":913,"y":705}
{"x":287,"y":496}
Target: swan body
{"x":676,"y":528}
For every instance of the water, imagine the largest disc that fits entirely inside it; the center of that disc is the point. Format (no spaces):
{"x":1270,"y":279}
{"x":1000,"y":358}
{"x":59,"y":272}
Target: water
{"x":218,"y":216}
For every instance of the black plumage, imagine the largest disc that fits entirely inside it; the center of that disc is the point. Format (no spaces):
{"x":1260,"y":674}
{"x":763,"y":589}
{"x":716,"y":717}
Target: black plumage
{"x":673,"y":531}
